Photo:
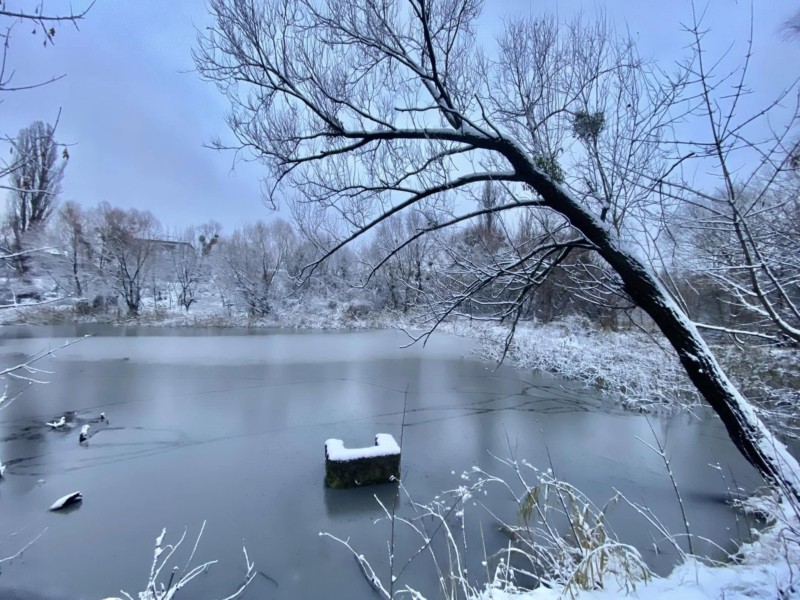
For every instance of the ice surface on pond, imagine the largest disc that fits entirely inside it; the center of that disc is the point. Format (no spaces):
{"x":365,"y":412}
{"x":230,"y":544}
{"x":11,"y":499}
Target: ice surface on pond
{"x":228,"y":428}
{"x":236,"y":347}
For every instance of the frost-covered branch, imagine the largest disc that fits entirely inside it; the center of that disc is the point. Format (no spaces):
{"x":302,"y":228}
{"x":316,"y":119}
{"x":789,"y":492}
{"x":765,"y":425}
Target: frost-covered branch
{"x":156,"y":589}
{"x":25,"y":371}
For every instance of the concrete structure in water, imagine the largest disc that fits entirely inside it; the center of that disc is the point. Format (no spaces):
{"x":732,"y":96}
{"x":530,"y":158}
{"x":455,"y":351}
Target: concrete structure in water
{"x":352,"y":467}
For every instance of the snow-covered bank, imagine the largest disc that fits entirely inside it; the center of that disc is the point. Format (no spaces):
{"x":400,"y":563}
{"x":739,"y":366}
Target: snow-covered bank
{"x":639,"y":369}
{"x":629,"y":365}
{"x":767,"y":568}
{"x":305,"y":314}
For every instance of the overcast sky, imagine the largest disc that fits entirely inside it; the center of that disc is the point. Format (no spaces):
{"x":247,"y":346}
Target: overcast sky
{"x":137,"y":116}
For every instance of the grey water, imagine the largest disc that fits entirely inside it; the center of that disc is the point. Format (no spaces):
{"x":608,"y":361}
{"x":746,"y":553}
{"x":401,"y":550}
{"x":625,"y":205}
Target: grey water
{"x":228,"y":427}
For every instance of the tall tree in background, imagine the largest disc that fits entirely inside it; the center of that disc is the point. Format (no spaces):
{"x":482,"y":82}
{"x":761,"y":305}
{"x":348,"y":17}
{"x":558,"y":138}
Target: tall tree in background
{"x":128,"y":245}
{"x":73,"y":266}
{"x":186,"y":262}
{"x":35,"y":182}
{"x":488,"y":231}
{"x":792,"y":24}
{"x":252,"y":259}
{"x":367,"y":108}
{"x":404,"y":269}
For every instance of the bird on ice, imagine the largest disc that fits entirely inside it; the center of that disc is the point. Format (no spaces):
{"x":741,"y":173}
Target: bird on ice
{"x":84,"y":435}
{"x":2,"y":469}
{"x":59,"y":423}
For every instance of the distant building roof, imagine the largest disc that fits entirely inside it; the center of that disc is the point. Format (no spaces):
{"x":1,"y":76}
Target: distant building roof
{"x":170,"y":245}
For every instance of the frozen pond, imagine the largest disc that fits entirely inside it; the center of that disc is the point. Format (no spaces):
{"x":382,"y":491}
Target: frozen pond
{"x":229,"y":427}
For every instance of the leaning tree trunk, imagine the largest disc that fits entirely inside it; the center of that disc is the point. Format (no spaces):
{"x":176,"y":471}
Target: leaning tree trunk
{"x":747,"y":431}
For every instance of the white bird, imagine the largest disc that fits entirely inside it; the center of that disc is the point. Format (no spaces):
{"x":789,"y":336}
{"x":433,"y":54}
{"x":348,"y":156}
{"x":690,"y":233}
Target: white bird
{"x":67,"y":500}
{"x":2,"y":469}
{"x":84,"y":435}
{"x":59,"y":423}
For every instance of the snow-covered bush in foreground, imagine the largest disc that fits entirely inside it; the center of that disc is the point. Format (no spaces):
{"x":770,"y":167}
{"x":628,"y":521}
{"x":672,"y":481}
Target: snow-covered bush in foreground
{"x":767,"y":568}
{"x":586,"y":555}
{"x":560,"y":540}
{"x":562,"y":547}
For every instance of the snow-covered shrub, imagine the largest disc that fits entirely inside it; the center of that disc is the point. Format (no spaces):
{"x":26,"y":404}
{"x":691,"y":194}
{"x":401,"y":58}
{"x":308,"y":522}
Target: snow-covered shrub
{"x":564,"y":537}
{"x":357,"y":310}
{"x":558,"y":538}
{"x":768,"y":376}
{"x":562,"y":544}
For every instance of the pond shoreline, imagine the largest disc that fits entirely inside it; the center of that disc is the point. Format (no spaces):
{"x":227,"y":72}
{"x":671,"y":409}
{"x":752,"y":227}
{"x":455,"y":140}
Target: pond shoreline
{"x":640,"y":375}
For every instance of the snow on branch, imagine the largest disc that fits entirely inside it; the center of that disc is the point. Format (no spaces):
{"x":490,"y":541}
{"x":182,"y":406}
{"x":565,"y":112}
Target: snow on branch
{"x":25,"y":371}
{"x":180,"y":578}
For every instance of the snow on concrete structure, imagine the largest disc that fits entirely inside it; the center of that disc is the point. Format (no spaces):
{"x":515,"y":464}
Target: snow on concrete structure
{"x":351,"y":467}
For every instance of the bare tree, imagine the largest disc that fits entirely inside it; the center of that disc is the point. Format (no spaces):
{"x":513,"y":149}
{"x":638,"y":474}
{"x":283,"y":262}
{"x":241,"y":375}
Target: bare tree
{"x":487,"y":227}
{"x":71,"y":264}
{"x":186,"y":265}
{"x":128,"y":244}
{"x":35,"y":181}
{"x":744,"y":235}
{"x":367,"y":108}
{"x":252,"y":259}
{"x":745,"y":251}
{"x":792,"y":24}
{"x":406,"y":268}
{"x":44,"y":24}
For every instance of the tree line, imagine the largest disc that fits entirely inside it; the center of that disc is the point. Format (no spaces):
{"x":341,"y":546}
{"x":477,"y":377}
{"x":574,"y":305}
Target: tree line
{"x":104,"y":255}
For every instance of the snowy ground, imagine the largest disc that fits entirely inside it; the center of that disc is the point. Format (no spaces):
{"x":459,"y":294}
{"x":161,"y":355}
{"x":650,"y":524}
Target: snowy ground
{"x":628,"y":365}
